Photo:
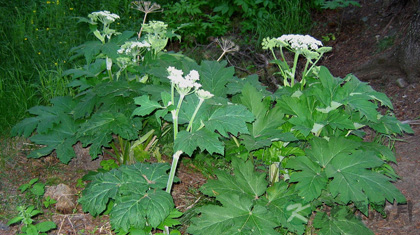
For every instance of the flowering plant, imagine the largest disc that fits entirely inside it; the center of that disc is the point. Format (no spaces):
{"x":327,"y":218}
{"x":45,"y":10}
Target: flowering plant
{"x":304,"y":45}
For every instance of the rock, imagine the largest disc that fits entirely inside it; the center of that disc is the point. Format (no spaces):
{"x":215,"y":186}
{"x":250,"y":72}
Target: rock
{"x":65,"y":197}
{"x":401,"y":82}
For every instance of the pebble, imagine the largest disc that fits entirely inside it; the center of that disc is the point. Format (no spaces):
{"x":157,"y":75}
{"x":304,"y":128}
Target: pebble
{"x":401,"y":82}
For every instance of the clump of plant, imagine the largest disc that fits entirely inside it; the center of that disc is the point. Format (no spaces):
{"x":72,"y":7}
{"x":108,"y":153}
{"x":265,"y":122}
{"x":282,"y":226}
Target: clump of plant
{"x":26,"y":214}
{"x":25,"y":217}
{"x":310,"y":134}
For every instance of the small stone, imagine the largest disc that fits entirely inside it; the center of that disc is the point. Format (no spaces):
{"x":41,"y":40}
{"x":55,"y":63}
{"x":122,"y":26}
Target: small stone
{"x":401,"y":82}
{"x":65,"y":197}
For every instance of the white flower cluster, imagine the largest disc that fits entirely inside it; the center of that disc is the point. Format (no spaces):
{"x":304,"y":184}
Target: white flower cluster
{"x":300,"y":42}
{"x":203,"y":95}
{"x":105,"y":17}
{"x":184,"y":83}
{"x":133,"y":47}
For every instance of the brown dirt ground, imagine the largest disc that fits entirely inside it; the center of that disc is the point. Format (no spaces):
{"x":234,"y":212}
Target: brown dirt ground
{"x":357,"y":41}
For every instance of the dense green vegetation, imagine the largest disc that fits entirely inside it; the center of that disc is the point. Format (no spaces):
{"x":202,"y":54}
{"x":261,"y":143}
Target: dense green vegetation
{"x":101,"y":76}
{"x":36,"y":37}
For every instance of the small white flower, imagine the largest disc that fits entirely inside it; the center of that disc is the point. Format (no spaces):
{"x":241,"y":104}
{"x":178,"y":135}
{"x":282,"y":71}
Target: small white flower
{"x":181,"y":83}
{"x":202,"y":94}
{"x":105,"y":17}
{"x":300,"y":42}
{"x":193,"y":76}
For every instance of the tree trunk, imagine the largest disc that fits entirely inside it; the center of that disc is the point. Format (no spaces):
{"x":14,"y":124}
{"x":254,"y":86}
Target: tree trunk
{"x":409,"y":52}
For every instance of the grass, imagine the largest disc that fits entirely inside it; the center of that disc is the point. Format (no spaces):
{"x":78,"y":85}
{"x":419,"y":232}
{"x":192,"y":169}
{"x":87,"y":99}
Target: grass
{"x":35,"y":40}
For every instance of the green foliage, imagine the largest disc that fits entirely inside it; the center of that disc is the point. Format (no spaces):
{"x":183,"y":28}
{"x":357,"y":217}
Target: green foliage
{"x":25,"y":217}
{"x":34,"y":190}
{"x":341,"y":168}
{"x":334,"y":4}
{"x":309,"y":131}
{"x":197,"y":22}
{"x":246,"y":201}
{"x":137,"y":191}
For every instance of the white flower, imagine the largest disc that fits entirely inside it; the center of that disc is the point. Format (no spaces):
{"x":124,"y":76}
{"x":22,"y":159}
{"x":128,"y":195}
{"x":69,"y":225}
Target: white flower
{"x":193,"y":76}
{"x":105,"y":17}
{"x":184,"y":84}
{"x":134,"y":48}
{"x":300,"y":42}
{"x":202,"y":94}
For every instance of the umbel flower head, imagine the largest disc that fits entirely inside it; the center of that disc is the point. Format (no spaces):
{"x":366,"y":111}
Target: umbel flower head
{"x":105,"y":17}
{"x":300,"y":42}
{"x":203,"y":95}
{"x":134,"y":48}
{"x":294,"y":42}
{"x":146,"y":6}
{"x":181,"y":83}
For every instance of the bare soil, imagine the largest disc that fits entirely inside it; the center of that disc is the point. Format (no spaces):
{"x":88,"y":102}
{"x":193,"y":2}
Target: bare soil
{"x":361,"y":34}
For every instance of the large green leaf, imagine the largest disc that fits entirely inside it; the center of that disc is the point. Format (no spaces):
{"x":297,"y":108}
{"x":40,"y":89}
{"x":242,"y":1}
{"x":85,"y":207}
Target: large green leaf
{"x":98,"y":130}
{"x":229,"y":119}
{"x":141,"y":209}
{"x":97,"y":193}
{"x":203,"y":138}
{"x":289,"y":208}
{"x":236,"y":85}
{"x":340,"y":221}
{"x":61,"y":139}
{"x":245,"y":182}
{"x":138,"y":193}
{"x":349,"y":170}
{"x":310,"y":177}
{"x":214,"y":77}
{"x":237,"y":216}
{"x":147,"y":106}
{"x":46,"y":117}
{"x":267,"y":118}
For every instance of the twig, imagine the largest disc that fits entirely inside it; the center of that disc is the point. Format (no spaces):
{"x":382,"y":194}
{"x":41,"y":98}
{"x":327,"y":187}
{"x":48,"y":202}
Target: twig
{"x":192,"y":205}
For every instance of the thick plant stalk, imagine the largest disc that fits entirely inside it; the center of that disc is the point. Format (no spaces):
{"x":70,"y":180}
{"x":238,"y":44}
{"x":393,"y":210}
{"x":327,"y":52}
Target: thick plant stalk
{"x":194,"y":114}
{"x":175,"y":159}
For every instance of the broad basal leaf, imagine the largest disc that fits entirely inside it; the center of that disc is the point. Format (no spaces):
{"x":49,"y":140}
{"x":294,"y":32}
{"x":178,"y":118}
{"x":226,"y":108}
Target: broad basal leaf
{"x":340,"y":221}
{"x":203,"y":138}
{"x":268,"y":118}
{"x":245,"y":182}
{"x":98,"y":130}
{"x":324,"y":151}
{"x":97,"y":193}
{"x":236,"y":85}
{"x":138,"y":193}
{"x":391,"y":125}
{"x":229,"y":119}
{"x":146,"y":106}
{"x":310,"y":177}
{"x":237,"y":216}
{"x":214,"y":77}
{"x":61,"y":139}
{"x":291,"y":210}
{"x":139,"y":210}
{"x":46,"y":117}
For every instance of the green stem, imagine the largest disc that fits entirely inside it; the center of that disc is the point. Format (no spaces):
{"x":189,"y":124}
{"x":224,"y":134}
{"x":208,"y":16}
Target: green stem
{"x":313,"y":65}
{"x":175,"y":115}
{"x":294,"y":69}
{"x":175,"y":159}
{"x":303,"y":82}
{"x":194,"y":114}
{"x":285,"y":83}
